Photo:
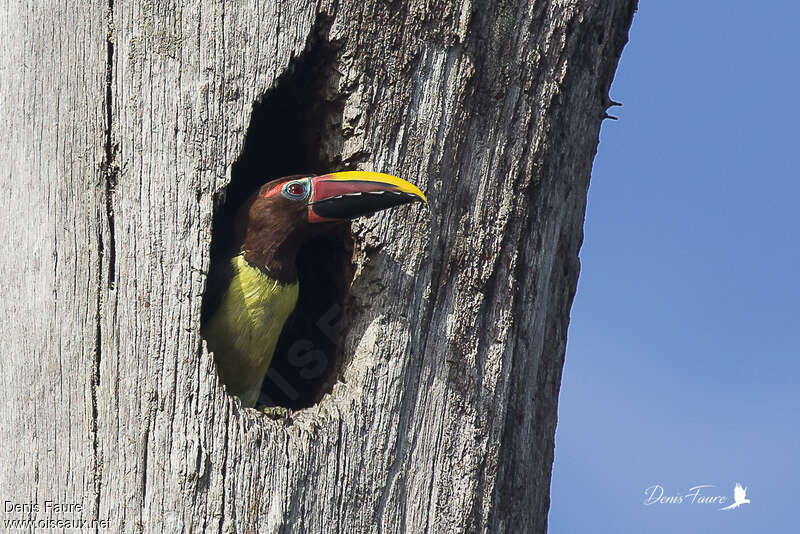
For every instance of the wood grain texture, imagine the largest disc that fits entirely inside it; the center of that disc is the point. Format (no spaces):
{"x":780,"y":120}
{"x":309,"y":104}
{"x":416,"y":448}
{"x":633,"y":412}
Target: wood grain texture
{"x":52,"y":215}
{"x":122,"y":121}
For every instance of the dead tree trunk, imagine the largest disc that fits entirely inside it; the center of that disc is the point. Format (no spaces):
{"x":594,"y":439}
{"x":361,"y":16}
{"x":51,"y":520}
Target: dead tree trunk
{"x":122,"y":123}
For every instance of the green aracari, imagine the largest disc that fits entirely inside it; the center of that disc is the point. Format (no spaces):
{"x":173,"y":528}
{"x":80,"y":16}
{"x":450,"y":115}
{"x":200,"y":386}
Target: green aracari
{"x":255,"y":292}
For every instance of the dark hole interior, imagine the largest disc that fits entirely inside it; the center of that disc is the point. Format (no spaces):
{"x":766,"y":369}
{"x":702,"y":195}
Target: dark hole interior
{"x":284,"y":138}
{"x":307,"y":355}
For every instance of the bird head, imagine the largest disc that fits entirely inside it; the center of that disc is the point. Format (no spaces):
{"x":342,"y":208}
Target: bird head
{"x":284,"y":213}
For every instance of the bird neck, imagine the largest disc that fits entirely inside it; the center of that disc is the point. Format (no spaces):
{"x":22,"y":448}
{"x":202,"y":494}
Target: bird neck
{"x":269,"y":240}
{"x":279,"y":260}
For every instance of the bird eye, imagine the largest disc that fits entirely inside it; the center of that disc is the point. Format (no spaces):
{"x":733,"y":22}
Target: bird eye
{"x":296,"y":190}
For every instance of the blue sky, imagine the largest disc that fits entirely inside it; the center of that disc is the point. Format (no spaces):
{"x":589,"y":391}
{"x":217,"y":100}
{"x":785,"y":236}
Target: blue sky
{"x":682,"y":361}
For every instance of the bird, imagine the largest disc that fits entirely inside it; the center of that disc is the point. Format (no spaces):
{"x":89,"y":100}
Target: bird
{"x":739,"y":494}
{"x":253,"y":292}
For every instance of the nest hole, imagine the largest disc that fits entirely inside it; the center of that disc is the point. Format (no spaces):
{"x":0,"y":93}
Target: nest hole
{"x":285,"y":137}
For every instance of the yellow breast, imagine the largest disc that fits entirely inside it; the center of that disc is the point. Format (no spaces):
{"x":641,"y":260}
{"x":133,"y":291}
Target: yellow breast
{"x":245,"y":328}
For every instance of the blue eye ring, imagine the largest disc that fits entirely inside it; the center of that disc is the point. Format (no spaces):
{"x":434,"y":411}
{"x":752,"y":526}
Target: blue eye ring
{"x":291,"y":190}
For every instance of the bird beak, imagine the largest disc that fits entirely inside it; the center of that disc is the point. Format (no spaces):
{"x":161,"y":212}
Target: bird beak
{"x":351,"y":194}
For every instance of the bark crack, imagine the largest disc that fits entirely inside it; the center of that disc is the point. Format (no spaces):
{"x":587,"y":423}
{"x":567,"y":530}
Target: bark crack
{"x":95,"y":384}
{"x":106,"y":257}
{"x":145,"y":451}
{"x":110,"y":166}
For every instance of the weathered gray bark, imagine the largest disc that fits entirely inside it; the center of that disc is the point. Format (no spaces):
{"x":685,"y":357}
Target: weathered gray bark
{"x":121,"y":121}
